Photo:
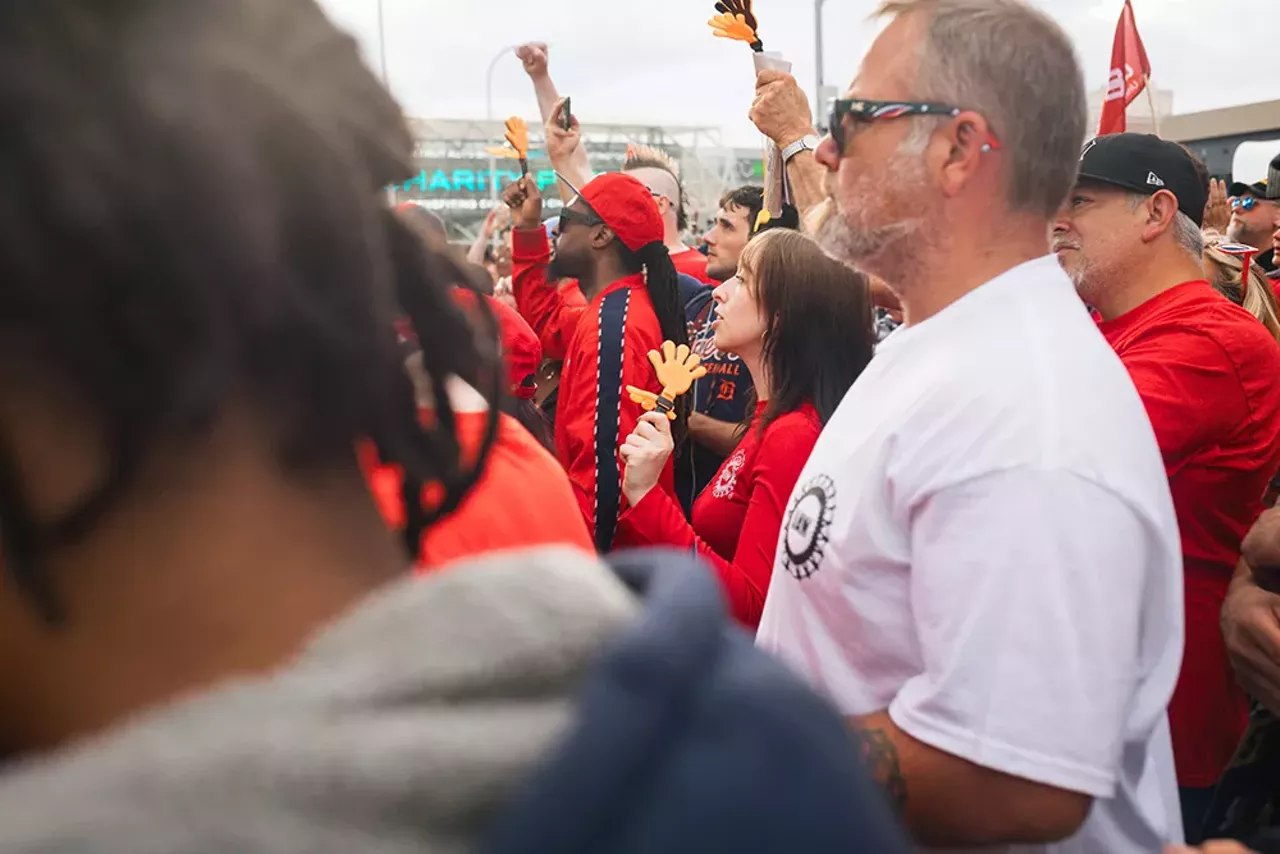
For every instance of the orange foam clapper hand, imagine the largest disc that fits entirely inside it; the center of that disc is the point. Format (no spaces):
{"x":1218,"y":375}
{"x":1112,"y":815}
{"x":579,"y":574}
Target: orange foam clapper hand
{"x":677,"y":369}
{"x":736,"y":21}
{"x":518,"y":136}
{"x":732,"y":27}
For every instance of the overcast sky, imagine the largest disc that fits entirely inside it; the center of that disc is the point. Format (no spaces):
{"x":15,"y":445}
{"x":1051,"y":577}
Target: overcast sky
{"x":656,"y":61}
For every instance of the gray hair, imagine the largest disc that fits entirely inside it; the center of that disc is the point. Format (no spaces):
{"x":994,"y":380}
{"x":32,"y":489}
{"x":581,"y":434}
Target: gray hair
{"x":1016,"y":67}
{"x":1185,"y":232}
{"x":1188,"y":235}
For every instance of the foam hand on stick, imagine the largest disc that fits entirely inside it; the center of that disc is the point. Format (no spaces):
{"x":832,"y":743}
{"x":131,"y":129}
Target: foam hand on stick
{"x":677,"y":369}
{"x":518,"y":139}
{"x":737,"y":22}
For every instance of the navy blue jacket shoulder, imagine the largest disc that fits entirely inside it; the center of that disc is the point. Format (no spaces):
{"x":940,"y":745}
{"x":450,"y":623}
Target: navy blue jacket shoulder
{"x":688,"y":739}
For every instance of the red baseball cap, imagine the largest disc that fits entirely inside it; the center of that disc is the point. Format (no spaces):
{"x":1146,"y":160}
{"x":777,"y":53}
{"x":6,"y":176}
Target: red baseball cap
{"x":626,"y":206}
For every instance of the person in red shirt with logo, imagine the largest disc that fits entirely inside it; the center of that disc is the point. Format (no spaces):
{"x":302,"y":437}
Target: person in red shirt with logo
{"x":802,"y":324}
{"x":1207,"y":372}
{"x":610,"y":239}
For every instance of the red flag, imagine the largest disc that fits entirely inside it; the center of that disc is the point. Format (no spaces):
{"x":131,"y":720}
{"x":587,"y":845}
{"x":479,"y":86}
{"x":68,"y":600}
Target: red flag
{"x":1130,"y":72}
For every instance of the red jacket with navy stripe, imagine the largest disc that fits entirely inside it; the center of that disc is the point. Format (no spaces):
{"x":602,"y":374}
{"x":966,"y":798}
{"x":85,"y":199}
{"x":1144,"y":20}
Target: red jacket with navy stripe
{"x":606,"y":343}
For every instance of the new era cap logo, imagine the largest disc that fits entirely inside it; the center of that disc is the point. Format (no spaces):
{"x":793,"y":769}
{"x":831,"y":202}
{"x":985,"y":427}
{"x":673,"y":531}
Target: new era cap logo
{"x":1154,"y":180}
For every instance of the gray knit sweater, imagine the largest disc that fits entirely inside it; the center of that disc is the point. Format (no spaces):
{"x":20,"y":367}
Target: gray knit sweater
{"x":403,"y":727}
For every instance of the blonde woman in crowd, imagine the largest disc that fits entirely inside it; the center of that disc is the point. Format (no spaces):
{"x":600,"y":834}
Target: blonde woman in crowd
{"x":1223,"y":271}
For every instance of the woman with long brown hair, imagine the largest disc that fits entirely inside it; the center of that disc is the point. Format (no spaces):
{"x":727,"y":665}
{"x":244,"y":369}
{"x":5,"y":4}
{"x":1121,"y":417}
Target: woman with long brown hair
{"x":1225,"y":271}
{"x":801,"y":323}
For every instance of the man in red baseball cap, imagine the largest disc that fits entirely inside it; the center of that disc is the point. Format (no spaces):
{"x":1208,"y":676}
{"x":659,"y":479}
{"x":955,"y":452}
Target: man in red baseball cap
{"x":610,"y":238}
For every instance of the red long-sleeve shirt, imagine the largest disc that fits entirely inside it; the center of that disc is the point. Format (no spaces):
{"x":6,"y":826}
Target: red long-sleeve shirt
{"x":552,"y":310}
{"x":737,"y":519}
{"x":606,"y":347}
{"x":1206,"y":370}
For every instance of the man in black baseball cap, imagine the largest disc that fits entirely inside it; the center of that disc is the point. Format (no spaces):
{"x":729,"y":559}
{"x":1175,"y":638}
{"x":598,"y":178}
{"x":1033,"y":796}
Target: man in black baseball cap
{"x":1254,"y":218}
{"x":1130,"y":239}
{"x":1131,"y":226}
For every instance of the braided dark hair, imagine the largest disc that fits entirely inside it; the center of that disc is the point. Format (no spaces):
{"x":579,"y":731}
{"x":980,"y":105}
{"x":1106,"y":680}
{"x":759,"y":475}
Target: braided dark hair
{"x":663,"y":284}
{"x":191,"y":217}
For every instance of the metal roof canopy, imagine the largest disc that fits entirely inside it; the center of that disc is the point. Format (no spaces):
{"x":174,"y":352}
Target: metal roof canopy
{"x":1215,"y":135}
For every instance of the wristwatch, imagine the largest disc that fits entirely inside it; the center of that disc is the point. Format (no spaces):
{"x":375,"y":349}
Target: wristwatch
{"x":807,"y":143}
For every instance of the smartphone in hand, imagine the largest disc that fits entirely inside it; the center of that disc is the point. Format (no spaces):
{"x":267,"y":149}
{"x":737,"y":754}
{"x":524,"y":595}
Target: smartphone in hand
{"x":566,"y":116}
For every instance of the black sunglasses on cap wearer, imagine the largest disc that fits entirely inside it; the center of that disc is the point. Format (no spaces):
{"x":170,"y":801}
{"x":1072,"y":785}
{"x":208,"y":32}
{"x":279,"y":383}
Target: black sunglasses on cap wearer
{"x":869,"y":112}
{"x":570,"y":216}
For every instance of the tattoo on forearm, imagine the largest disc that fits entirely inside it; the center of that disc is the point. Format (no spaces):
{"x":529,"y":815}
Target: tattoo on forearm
{"x":881,"y":759}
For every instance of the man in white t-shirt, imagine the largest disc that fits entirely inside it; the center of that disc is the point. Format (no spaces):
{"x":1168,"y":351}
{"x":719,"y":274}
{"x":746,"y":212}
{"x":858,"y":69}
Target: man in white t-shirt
{"x":980,"y":563}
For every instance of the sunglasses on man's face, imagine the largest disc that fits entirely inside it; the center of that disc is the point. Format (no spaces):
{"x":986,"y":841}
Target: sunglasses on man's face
{"x":870,"y":112}
{"x":1245,"y":204}
{"x":569,"y":216}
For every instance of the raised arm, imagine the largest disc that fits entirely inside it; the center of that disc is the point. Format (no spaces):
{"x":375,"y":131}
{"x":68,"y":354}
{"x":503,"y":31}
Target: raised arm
{"x":572,"y":161}
{"x":491,"y":224}
{"x":551,"y":310}
{"x":568,"y":155}
{"x":781,"y":112}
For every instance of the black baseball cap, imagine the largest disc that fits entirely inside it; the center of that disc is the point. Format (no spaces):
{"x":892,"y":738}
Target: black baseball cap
{"x":1144,"y":163}
{"x":1258,"y":189}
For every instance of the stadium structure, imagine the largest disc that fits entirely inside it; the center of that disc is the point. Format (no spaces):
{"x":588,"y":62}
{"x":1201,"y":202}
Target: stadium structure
{"x":453,"y":169}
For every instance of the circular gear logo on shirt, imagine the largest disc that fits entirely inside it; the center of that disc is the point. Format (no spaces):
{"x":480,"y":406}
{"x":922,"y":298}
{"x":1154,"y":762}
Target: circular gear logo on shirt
{"x":808,"y":527}
{"x":727,"y":482}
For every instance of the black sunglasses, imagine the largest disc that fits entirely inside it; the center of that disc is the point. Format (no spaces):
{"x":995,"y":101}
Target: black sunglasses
{"x":568,"y":216}
{"x":869,"y":112}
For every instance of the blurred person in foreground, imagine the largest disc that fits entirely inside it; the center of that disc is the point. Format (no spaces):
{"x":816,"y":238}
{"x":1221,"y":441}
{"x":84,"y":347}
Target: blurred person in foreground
{"x":208,"y":637}
{"x":800,"y":322}
{"x":980,"y":561}
{"x":1129,"y":237}
{"x":500,"y":512}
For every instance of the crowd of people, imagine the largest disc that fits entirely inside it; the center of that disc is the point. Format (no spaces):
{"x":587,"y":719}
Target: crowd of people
{"x":320,"y":534}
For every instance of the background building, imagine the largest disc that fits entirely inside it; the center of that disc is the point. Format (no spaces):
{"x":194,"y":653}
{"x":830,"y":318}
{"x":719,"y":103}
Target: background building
{"x":454,"y":178}
{"x":1236,"y":142}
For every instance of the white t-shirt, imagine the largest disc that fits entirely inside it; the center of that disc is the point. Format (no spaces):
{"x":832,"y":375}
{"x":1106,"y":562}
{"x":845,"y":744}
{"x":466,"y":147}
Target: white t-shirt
{"x":983,"y":544}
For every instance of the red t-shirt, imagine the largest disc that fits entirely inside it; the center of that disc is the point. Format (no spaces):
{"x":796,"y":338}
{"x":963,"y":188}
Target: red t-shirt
{"x":1207,"y":372}
{"x":692,"y":263}
{"x":522,"y":499}
{"x":736,"y":520}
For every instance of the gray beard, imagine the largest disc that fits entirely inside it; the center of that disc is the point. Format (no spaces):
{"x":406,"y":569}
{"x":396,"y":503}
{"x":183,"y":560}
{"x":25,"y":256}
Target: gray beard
{"x":859,"y":246}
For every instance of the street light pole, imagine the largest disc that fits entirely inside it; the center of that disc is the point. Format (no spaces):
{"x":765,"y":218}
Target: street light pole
{"x":386,"y":83}
{"x":382,"y":42}
{"x":817,"y":55}
{"x":488,"y":114}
